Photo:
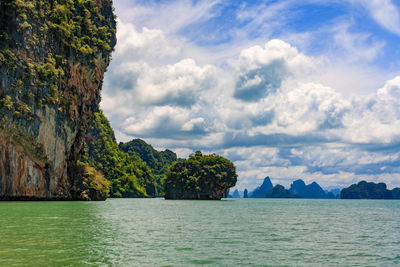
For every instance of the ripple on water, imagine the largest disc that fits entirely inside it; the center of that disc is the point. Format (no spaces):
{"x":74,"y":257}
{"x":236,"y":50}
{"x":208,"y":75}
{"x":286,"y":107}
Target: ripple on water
{"x":155,"y":232}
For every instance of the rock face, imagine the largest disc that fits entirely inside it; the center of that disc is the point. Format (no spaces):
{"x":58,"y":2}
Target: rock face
{"x":53,"y":55}
{"x":262,"y":190}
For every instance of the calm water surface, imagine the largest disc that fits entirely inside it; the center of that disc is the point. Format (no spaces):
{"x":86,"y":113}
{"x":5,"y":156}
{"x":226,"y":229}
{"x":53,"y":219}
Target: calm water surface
{"x":239,"y":232}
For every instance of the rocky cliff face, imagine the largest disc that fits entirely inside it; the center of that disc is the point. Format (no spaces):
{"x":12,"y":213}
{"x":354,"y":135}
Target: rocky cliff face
{"x":53,"y":55}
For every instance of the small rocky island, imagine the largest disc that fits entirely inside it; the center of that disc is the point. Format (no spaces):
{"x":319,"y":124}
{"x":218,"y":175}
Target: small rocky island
{"x":366,"y":190}
{"x":206,"y":177}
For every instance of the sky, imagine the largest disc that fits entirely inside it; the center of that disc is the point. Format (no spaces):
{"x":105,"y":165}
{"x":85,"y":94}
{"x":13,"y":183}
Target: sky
{"x":288,"y":89}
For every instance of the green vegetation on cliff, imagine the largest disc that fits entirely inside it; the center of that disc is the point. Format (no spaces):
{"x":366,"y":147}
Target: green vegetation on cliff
{"x":130,"y":176}
{"x":158,"y":161}
{"x":200,"y":177}
{"x":53,"y":55}
{"x":42,"y":41}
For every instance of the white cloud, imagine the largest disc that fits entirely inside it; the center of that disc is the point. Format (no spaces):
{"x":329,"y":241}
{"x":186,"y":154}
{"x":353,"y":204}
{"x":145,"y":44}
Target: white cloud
{"x":384,"y":12}
{"x":357,"y":46}
{"x":270,"y":108}
{"x":260,"y":71}
{"x":169,"y":16}
{"x":178,"y":84}
{"x":165,"y":121}
{"x":309,"y":108}
{"x":376,"y":118}
{"x":135,"y":45}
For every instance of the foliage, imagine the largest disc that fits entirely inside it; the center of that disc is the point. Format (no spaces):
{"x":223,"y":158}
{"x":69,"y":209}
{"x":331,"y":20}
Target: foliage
{"x":7,"y":102}
{"x":130,"y":176}
{"x":93,"y":180}
{"x":200,"y":177}
{"x":40,"y":40}
{"x":158,"y":161}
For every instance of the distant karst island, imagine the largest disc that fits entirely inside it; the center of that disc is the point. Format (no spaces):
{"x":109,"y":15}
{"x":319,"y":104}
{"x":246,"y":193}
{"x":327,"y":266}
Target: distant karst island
{"x":298,"y":189}
{"x":365,"y":190}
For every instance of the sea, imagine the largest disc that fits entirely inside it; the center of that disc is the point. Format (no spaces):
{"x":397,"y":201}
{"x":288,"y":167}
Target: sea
{"x":230,"y":232}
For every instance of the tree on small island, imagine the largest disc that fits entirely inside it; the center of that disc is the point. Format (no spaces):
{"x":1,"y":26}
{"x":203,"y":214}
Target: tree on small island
{"x":205,"y":177}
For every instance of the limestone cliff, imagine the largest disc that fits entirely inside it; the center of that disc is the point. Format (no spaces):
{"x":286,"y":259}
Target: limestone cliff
{"x":53,"y":54}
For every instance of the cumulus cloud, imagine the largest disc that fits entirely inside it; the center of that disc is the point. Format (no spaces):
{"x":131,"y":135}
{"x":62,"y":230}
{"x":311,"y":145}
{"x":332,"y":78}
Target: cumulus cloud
{"x":260,"y":71}
{"x":134,"y":45}
{"x":375,"y":118}
{"x":178,"y":84}
{"x":309,"y":108}
{"x":140,"y":72}
{"x":166,"y":121}
{"x":261,"y":108}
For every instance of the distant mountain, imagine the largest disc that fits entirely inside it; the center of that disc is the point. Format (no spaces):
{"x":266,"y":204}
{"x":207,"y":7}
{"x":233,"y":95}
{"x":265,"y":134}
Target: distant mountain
{"x":335,"y":192}
{"x":262,"y":190}
{"x":396,"y":193}
{"x":236,"y":194}
{"x":280,"y":192}
{"x":366,"y":190}
{"x":246,"y":193}
{"x":313,"y":190}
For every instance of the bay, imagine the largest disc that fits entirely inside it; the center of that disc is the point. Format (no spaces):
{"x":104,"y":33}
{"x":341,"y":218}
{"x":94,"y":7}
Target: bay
{"x":231,"y":232}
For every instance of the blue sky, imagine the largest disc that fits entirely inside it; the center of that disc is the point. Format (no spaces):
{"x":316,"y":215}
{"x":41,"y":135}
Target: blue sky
{"x":289,"y":89}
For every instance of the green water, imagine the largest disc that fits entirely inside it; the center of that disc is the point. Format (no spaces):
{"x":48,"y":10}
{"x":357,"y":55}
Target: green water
{"x":242,"y":232}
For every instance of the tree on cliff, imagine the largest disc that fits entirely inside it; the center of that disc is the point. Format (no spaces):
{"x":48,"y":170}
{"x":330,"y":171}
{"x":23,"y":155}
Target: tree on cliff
{"x":130,"y":176}
{"x":53,"y":55}
{"x":200,"y":177}
{"x":158,"y":161}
